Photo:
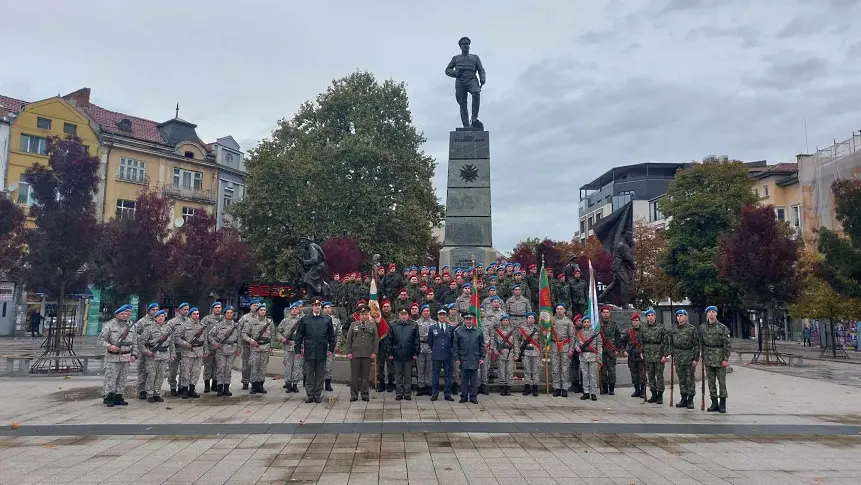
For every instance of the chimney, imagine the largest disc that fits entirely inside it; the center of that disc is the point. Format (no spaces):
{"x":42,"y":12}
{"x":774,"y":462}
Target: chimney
{"x":80,"y":98}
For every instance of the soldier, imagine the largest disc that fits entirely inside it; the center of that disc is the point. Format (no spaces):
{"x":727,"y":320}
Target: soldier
{"x":431,"y":303}
{"x":579,"y":293}
{"x":335,"y":288}
{"x":632,"y":343}
{"x":210,"y":321}
{"x":716,"y":345}
{"x":190,"y":340}
{"x":413,"y":290}
{"x":517,"y":307}
{"x":155,"y":342}
{"x":402,"y":302}
{"x":532,"y":283}
{"x":468,"y":350}
{"x":414,"y":312}
{"x":655,"y":351}
{"x":363,"y":343}
{"x":576,"y":377}
{"x":223,"y":338}
{"x":257,"y":334}
{"x":464,"y":301}
{"x":561,"y":351}
{"x":330,"y":361}
{"x":502,"y":349}
{"x":121,"y":352}
{"x":484,"y":368}
{"x":611,"y":339}
{"x":524,"y":290}
{"x":450,"y":294}
{"x":173,"y":366}
{"x":315,"y":333}
{"x":392,"y":282}
{"x":440,"y":341}
{"x":685,"y":349}
{"x":385,"y":368}
{"x":491,"y":294}
{"x":562,"y":292}
{"x":423,"y":363}
{"x":404,"y":350}
{"x":588,"y":348}
{"x":292,"y":361}
{"x":254,"y":304}
{"x":139,"y":328}
{"x":528,"y":350}
{"x":493,"y":312}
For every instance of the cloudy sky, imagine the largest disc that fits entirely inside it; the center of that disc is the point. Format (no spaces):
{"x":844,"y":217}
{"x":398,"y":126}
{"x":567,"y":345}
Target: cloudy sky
{"x":574,"y":88}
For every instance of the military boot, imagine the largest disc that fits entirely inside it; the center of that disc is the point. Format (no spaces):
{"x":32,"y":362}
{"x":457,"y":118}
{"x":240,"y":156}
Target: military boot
{"x":612,"y":389}
{"x":286,"y":386}
{"x":535,"y":390}
{"x":722,"y":406}
{"x":245,"y":386}
{"x":109,"y":400}
{"x":603,"y":388}
{"x":557,"y":392}
{"x":527,"y":389}
{"x":654,"y":398}
{"x":205,"y":386}
{"x":482,"y":389}
{"x":119,"y":401}
{"x":253,"y":388}
{"x":183,"y":392}
{"x":295,"y":387}
{"x":151,"y":399}
{"x":691,"y":401}
{"x":226,"y":390}
{"x":220,"y":390}
{"x":637,"y":392}
{"x":714,"y":407}
{"x":329,"y":385}
{"x":420,"y":391}
{"x":192,"y":393}
{"x":142,"y":395}
{"x":660,"y":399}
{"x":260,"y":387}
{"x":174,"y":392}
{"x":381,"y":387}
{"x":584,"y":397}
{"x":564,"y":393}
{"x":684,"y":402}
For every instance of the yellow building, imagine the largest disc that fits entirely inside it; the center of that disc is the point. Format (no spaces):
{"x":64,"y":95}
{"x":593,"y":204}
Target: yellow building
{"x":32,"y":124}
{"x":778,"y":185}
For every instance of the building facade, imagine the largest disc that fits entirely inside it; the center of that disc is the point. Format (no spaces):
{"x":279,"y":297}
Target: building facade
{"x":231,"y":178}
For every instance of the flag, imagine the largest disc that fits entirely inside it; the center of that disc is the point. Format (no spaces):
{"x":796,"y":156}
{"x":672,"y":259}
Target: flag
{"x":475,"y":306}
{"x":545,"y":311}
{"x":374,"y":305}
{"x":593,"y":309}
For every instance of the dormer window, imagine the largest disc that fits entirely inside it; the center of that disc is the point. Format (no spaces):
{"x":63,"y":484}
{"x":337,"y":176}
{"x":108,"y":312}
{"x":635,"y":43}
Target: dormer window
{"x":124,"y":124}
{"x":228,"y":159}
{"x":189,"y":154}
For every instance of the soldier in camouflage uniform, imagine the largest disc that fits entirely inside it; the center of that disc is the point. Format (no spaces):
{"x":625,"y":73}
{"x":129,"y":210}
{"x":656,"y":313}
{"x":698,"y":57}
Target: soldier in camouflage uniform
{"x":402,"y":302}
{"x":210,"y":321}
{"x":424,"y":362}
{"x":292,"y":361}
{"x":685,"y":349}
{"x":517,"y":306}
{"x":330,"y":360}
{"x":561,"y":292}
{"x":561,"y":351}
{"x":121,"y":352}
{"x":464,"y":301}
{"x":502,"y":350}
{"x":491,"y":295}
{"x":632,"y":343}
{"x":156,"y":343}
{"x":589,"y":347}
{"x":716,"y":345}
{"x":528,"y":349}
{"x":532,"y":283}
{"x":450,"y":294}
{"x":579,"y":293}
{"x":246,"y":349}
{"x":173,"y":367}
{"x":139,"y":328}
{"x":190,"y":340}
{"x":257,"y":333}
{"x":223,"y":339}
{"x":611,"y":340}
{"x":655,"y":350}
{"x":430,"y":301}
{"x":385,"y":368}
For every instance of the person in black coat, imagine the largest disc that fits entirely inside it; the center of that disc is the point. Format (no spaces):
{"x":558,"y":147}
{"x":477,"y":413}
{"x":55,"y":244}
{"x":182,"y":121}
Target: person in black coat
{"x":317,"y":335}
{"x":440,"y":340}
{"x":468,"y":349}
{"x":403,"y":349}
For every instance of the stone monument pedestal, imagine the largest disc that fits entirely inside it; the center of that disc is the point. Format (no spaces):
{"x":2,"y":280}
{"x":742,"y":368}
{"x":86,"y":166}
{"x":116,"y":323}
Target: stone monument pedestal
{"x":468,"y":223}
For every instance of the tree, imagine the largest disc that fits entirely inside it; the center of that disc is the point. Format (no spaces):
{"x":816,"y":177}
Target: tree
{"x":133,"y":258}
{"x":236,"y":265}
{"x":760,"y":258}
{"x":703,"y":201}
{"x":342,"y":255}
{"x":651,"y":284}
{"x":841,"y":266}
{"x":196,"y":271}
{"x":11,"y":238}
{"x":524,"y":253}
{"x":349,"y":163}
{"x":602,"y":261}
{"x":548,"y":254}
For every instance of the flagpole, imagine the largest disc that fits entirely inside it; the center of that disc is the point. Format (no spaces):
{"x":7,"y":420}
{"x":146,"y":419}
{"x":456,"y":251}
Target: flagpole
{"x":546,"y":337}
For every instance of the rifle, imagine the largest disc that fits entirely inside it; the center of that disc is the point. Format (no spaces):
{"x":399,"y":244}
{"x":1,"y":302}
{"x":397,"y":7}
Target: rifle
{"x":221,"y":342}
{"x":524,"y":344}
{"x":582,"y":346}
{"x":672,"y":370}
{"x":162,"y":340}
{"x":260,"y":335}
{"x":702,"y":385}
{"x":197,"y":335}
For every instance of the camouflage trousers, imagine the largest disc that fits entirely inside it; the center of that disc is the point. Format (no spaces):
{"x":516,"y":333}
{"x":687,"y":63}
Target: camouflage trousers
{"x":685,"y":373}
{"x":209,"y":367}
{"x":189,"y":371}
{"x":637,"y":368}
{"x":655,"y":374}
{"x":484,"y":371}
{"x":116,"y":374}
{"x":246,"y":367}
{"x":330,"y":362}
{"x":455,"y":372}
{"x":560,"y":369}
{"x":155,"y":374}
{"x":141,"y":370}
{"x":223,"y":367}
{"x":589,"y":373}
{"x":423,"y":369}
{"x":257,"y":362}
{"x":505,"y":371}
{"x":608,"y":372}
{"x":293,"y":365}
{"x":576,"y":377}
{"x":718,"y":373}
{"x":531,"y":369}
{"x":173,"y":370}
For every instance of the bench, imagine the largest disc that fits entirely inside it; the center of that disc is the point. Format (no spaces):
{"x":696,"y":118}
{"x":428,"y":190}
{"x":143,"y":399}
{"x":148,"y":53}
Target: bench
{"x":25,"y":363}
{"x":790,"y":359}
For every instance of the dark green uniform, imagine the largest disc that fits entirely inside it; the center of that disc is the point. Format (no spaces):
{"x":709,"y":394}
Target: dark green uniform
{"x":655,"y":346}
{"x":716,"y":346}
{"x":579,"y":295}
{"x":611,"y":339}
{"x":633,"y":345}
{"x":685,"y":348}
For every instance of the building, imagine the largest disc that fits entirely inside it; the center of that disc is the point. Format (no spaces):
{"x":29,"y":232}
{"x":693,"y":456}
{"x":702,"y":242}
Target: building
{"x":778,"y":186}
{"x":231,"y":178}
{"x":641,"y":183}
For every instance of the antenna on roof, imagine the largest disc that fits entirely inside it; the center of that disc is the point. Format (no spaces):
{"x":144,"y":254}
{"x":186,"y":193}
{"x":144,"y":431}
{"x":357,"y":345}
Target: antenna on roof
{"x":177,"y":110}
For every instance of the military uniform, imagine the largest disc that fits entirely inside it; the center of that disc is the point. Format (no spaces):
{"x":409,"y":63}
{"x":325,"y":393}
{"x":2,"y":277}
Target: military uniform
{"x":633,"y":345}
{"x":463,"y":304}
{"x":561,"y":294}
{"x":191,"y":342}
{"x":502,"y":346}
{"x":210,"y":321}
{"x":156,"y":339}
{"x":139,"y":328}
{"x":258,"y":329}
{"x":579,"y":295}
{"x":560,"y":361}
{"x":716,"y":347}
{"x":174,"y":365}
{"x":424,"y":363}
{"x":246,"y":350}
{"x":385,"y":368}
{"x":223,"y":340}
{"x":292,"y":362}
{"x":116,"y":333}
{"x":589,"y":359}
{"x":654,"y":338}
{"x":362,"y":341}
{"x":611,"y":339}
{"x":517,"y":307}
{"x":528,"y":349}
{"x":330,"y":360}
{"x":685,"y":348}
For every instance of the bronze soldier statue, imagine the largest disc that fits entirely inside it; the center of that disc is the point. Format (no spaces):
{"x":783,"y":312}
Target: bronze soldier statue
{"x":464,"y":68}
{"x":313,"y":261}
{"x":623,"y":269}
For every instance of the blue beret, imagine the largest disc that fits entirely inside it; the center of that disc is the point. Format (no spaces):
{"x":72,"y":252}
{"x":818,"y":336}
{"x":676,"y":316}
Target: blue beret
{"x":160,"y":312}
{"x":467,"y":285}
{"x":182,"y":305}
{"x":681,"y":312}
{"x":413,"y":267}
{"x":559,"y":305}
{"x":123,"y":308}
{"x":507,"y":265}
{"x":423,"y":307}
{"x":433,"y":268}
{"x":262,"y":305}
{"x":254,"y":301}
{"x":650,"y":311}
{"x":530,"y":314}
{"x":151,"y":306}
{"x":228,"y":308}
{"x":295,"y":304}
{"x":517,"y":272}
{"x":327,"y":303}
{"x":450,"y":306}
{"x":424,"y":267}
{"x":491,"y":287}
{"x":479,"y":265}
{"x":516,"y":285}
{"x":711,"y":308}
{"x":492,"y":278}
{"x":504,"y":316}
{"x":214,"y":304}
{"x":495,"y":298}
{"x":445,"y":267}
{"x":193,"y":309}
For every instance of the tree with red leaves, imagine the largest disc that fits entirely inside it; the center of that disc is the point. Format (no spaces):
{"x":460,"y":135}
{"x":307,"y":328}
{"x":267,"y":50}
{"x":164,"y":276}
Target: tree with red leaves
{"x":602,"y":261}
{"x":11,"y":238}
{"x":342,"y":255}
{"x":196,"y":269}
{"x":760,"y":258}
{"x":547,"y":253}
{"x":524,"y":253}
{"x":236,"y":265}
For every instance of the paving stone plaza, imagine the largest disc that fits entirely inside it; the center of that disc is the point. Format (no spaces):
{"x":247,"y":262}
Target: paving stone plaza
{"x":780,"y":429}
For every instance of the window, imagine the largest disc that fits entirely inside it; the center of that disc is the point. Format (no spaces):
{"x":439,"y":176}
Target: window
{"x":598,"y":215}
{"x":34,"y":144}
{"x":765,"y":190}
{"x":25,"y":193}
{"x":132,"y":170}
{"x":70,"y":129}
{"x":43,"y":123}
{"x":655,"y":213}
{"x":228,"y":195}
{"x":781,"y":213}
{"x":189,"y":154}
{"x":228,"y":159}
{"x":125,"y":208}
{"x":795,"y":217}
{"x":187,"y":213}
{"x":582,"y":226}
{"x":187,"y":179}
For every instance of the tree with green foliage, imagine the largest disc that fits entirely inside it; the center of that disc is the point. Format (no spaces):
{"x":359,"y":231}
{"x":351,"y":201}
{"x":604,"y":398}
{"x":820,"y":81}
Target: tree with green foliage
{"x":841,"y":266}
{"x":703,"y":201}
{"x":11,"y":238}
{"x":348,"y":164}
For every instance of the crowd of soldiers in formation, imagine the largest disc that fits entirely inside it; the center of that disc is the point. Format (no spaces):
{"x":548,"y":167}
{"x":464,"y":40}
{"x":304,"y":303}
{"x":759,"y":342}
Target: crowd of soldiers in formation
{"x":428,"y":338}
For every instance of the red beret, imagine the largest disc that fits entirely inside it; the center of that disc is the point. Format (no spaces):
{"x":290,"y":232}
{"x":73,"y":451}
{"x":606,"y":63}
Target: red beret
{"x":392,"y":266}
{"x":430,"y":290}
{"x":361,"y":302}
{"x":635,"y":316}
{"x":578,"y":317}
{"x":386,"y":300}
{"x":414,"y":305}
{"x":532,"y":266}
{"x":605,"y":307}
{"x":561,"y":275}
{"x":403,"y":290}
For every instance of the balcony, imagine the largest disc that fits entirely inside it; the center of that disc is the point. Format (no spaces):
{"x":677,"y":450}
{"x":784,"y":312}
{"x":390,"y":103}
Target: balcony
{"x":188,"y":193}
{"x":132,"y":179}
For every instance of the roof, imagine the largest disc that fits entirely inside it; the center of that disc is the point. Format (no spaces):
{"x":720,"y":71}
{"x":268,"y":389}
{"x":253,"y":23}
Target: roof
{"x":779,"y":169}
{"x":10,"y":105}
{"x":614,"y":172}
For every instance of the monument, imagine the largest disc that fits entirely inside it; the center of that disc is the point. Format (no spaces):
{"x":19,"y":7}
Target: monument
{"x":468,"y":227}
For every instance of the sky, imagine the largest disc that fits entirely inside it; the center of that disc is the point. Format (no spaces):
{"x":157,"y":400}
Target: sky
{"x":575,"y":87}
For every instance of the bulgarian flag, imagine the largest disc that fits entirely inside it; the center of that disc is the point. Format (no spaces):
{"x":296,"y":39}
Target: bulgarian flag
{"x":374,"y":305}
{"x":592,"y":306}
{"x":544,"y":306}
